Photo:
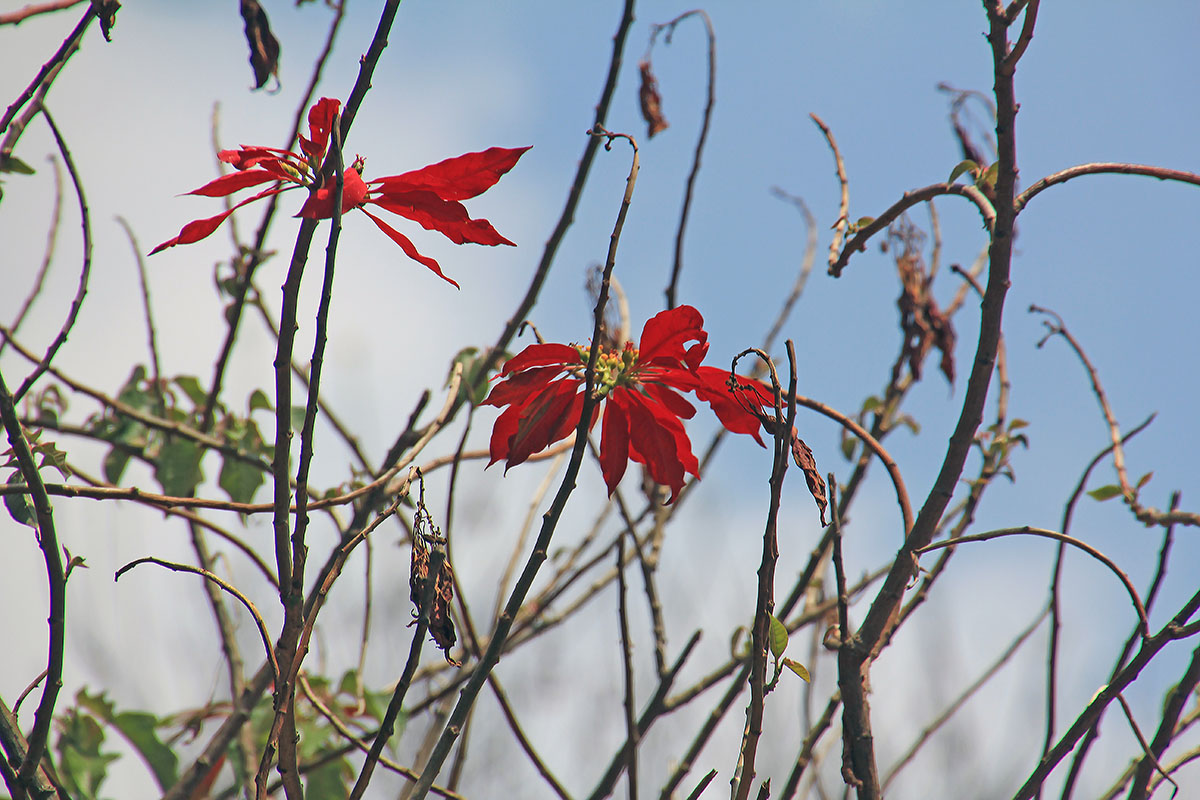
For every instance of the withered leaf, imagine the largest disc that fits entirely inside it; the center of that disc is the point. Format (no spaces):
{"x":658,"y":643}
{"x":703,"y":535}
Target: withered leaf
{"x":923,"y":324}
{"x":264,"y":47}
{"x":802,"y":455}
{"x":650,"y":101}
{"x":441,"y":626}
{"x":106,"y":12}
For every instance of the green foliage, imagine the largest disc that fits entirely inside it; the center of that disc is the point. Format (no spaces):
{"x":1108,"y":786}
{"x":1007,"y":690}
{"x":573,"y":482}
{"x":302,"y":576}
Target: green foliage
{"x":475,"y":385}
{"x":140,"y":729}
{"x":177,"y":459}
{"x":177,"y":468}
{"x":777,"y":637}
{"x":83,"y":765}
{"x":966,"y":165}
{"x":1105,"y":492}
{"x":19,"y":506}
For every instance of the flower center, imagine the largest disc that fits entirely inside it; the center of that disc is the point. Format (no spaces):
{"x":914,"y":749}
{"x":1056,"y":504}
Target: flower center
{"x":613,"y":368}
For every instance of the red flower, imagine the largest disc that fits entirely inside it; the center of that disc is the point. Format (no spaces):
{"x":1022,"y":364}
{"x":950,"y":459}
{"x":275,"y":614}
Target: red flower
{"x":640,"y":392}
{"x":429,"y":196}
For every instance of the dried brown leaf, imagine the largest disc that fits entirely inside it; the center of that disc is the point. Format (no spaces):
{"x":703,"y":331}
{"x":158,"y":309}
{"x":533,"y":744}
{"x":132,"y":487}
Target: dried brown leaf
{"x":803,"y":456}
{"x":264,"y":47}
{"x":651,"y":101}
{"x":441,"y":626}
{"x":106,"y":12}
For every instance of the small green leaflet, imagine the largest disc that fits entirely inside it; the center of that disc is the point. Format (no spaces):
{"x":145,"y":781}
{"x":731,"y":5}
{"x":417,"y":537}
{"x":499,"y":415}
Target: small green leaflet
{"x":778,"y":637}
{"x":1105,"y":492}
{"x":966,"y":165}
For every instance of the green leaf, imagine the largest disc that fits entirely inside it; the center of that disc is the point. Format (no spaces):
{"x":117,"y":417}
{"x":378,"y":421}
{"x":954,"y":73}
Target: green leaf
{"x":139,"y":728}
{"x":848,"y":445}
{"x":474,"y":387}
{"x":114,"y":465}
{"x":1142,"y":481}
{"x":988,"y":179}
{"x":1105,"y":492}
{"x":192,"y":388}
{"x":778,"y":636}
{"x":872,"y":403}
{"x":910,"y":423}
{"x":14,"y":164}
{"x":239,"y":479}
{"x":54,"y":457}
{"x":1017,"y":424}
{"x":132,"y":393}
{"x":177,"y":469}
{"x":330,"y":781}
{"x":82,"y":765}
{"x":798,"y":668}
{"x":298,"y":418}
{"x":966,"y":165}
{"x":259,"y":399}
{"x":18,"y":505}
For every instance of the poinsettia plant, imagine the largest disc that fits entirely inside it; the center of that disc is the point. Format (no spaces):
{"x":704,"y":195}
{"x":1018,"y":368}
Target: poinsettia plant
{"x":641,"y":389}
{"x":429,"y":196}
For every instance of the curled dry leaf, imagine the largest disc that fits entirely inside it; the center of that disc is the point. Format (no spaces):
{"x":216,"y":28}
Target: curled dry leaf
{"x":441,"y":626}
{"x":651,"y":101}
{"x":264,"y":47}
{"x":803,"y":456}
{"x":922,"y":323}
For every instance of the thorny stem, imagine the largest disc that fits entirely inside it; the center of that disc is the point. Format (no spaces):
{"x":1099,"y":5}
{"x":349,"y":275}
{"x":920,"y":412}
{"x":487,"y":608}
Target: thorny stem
{"x":56,"y":577}
{"x":766,"y":576}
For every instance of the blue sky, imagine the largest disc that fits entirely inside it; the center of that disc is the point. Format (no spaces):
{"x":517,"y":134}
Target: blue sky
{"x":1113,"y":255}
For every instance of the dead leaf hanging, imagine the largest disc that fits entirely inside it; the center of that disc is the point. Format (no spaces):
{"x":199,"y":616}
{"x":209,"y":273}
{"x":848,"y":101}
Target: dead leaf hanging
{"x":264,"y":47}
{"x":651,"y":102}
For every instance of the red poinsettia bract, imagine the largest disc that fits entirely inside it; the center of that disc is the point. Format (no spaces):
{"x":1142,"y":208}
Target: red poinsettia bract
{"x":640,"y":388}
{"x":429,"y":196}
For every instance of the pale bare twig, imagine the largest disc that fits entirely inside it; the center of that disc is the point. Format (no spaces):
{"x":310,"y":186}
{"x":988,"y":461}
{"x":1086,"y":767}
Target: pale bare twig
{"x":1026,"y":530}
{"x":225,"y":586}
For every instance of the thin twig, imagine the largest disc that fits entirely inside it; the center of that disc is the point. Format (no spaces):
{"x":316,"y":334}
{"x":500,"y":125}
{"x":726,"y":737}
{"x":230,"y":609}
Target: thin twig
{"x":85,"y":270}
{"x":358,"y":743}
{"x":843,"y":220}
{"x":1103,"y":168}
{"x":1149,"y":758}
{"x":677,"y":266}
{"x":152,"y":344}
{"x":1147,"y":516}
{"x":1026,"y":530}
{"x":631,"y":729}
{"x":859,"y":241}
{"x":33,"y":9}
{"x":69,"y":46}
{"x":47,"y":257}
{"x":515,"y":726}
{"x":1055,"y":614}
{"x":437,"y":557}
{"x":226,"y":586}
{"x":962,"y":699}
